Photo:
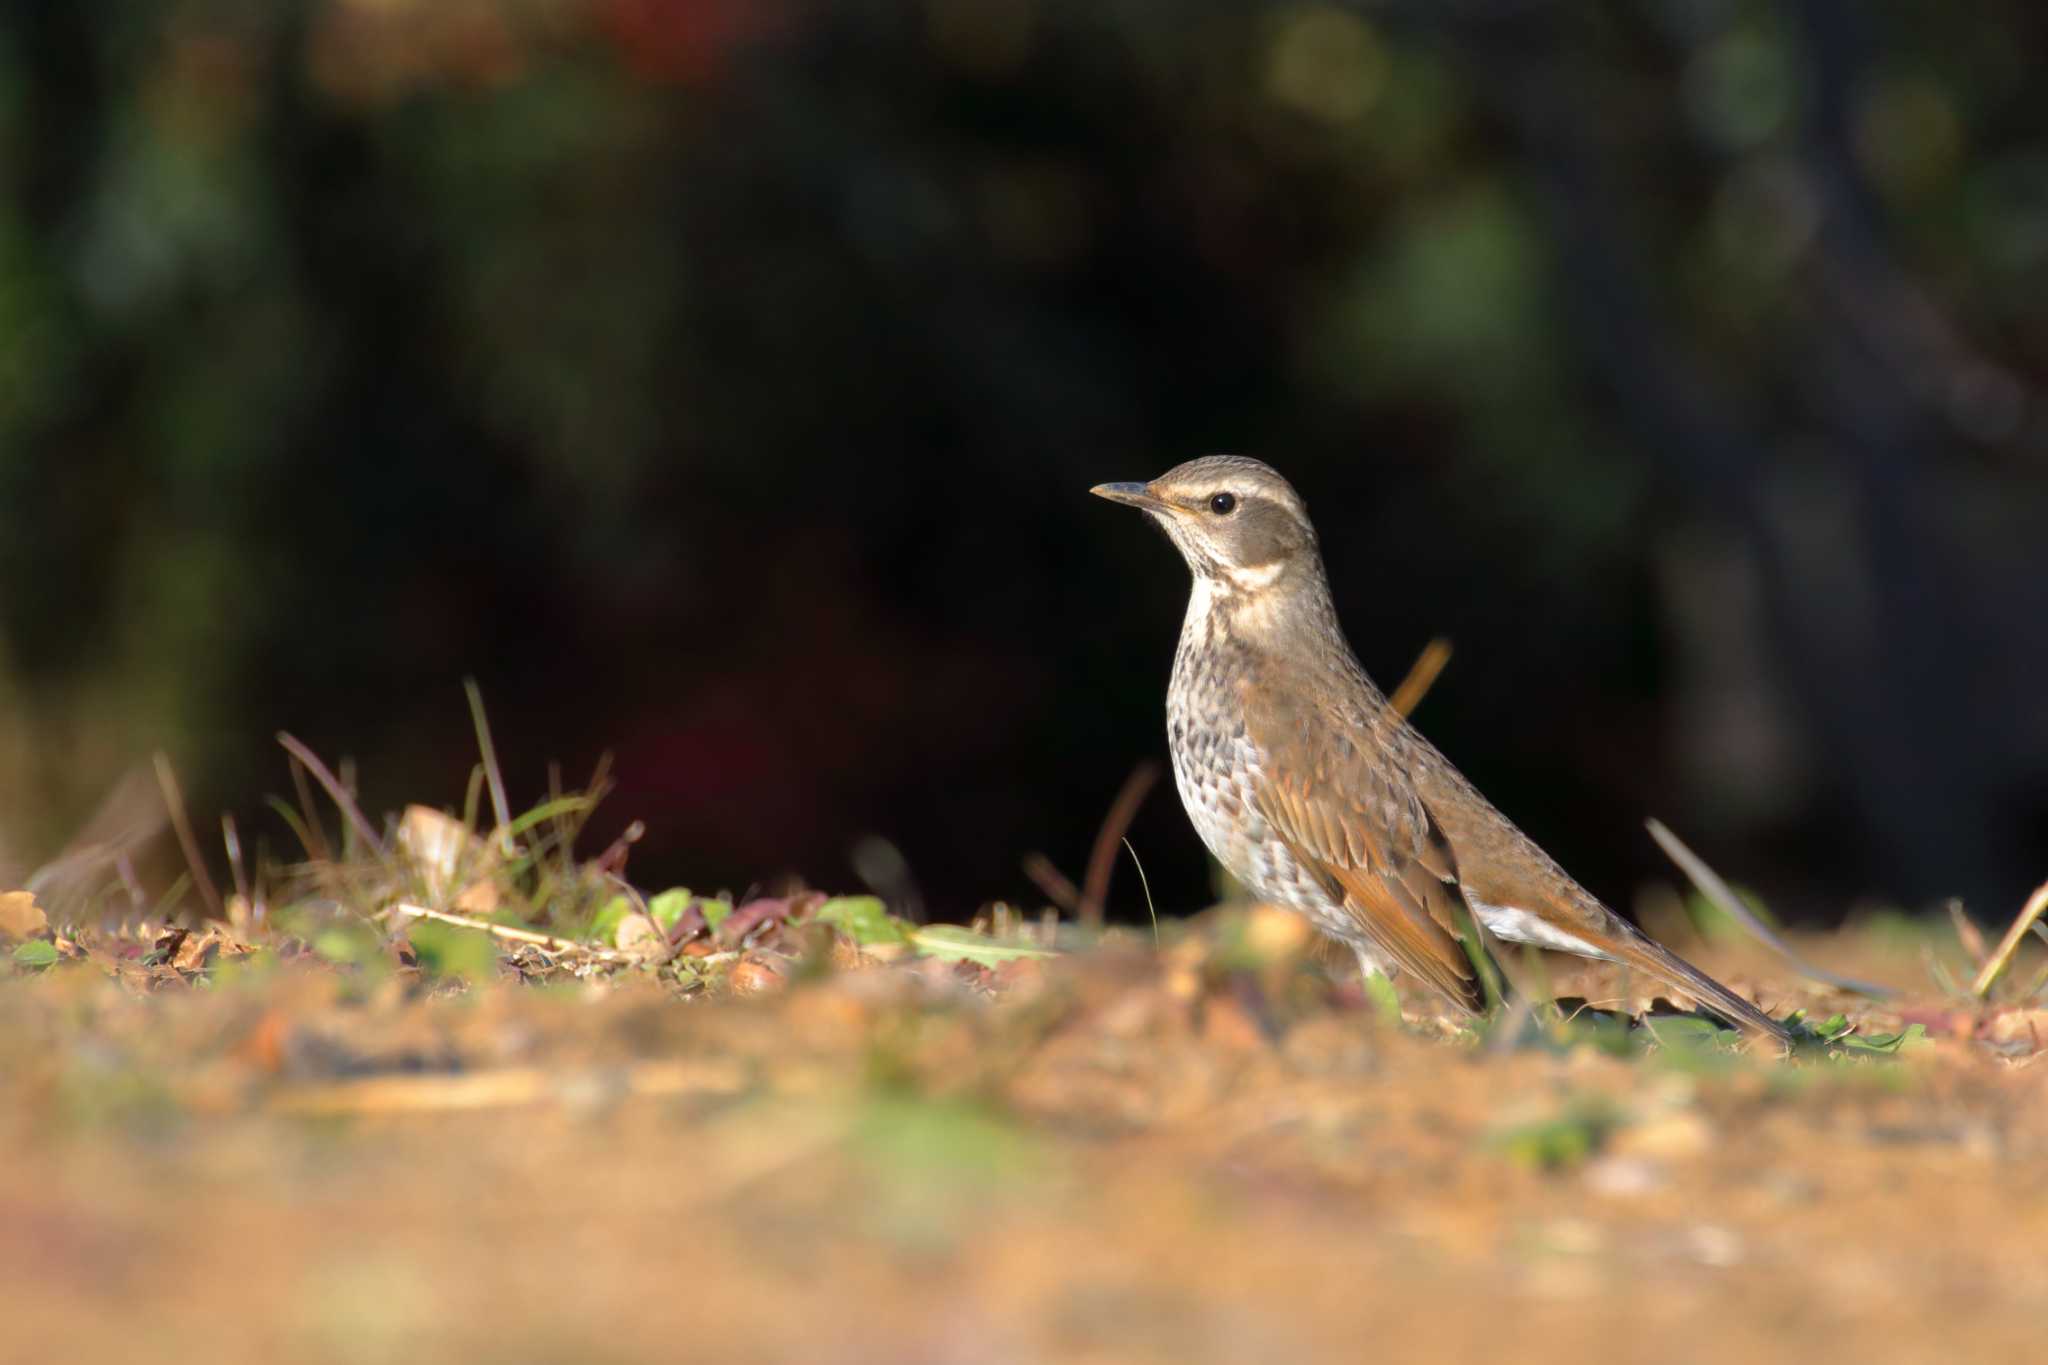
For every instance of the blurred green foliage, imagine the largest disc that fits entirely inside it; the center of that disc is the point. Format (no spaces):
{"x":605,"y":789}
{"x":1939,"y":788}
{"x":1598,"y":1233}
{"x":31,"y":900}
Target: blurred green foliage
{"x":717,"y":380}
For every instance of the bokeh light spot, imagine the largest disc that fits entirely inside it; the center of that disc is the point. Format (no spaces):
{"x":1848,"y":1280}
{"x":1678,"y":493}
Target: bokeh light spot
{"x":1326,"y":63}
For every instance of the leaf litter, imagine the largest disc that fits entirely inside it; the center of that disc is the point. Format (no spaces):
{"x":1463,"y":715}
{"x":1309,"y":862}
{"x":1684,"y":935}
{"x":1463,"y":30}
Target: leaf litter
{"x":442,"y":1089}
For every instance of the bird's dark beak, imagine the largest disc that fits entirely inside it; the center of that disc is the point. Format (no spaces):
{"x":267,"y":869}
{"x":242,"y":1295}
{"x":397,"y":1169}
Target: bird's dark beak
{"x":1138,"y":495}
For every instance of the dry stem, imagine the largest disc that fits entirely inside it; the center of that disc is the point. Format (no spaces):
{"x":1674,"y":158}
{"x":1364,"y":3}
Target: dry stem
{"x":1421,"y":676}
{"x":2036,"y":905}
{"x":507,"y":931}
{"x":507,"y":1088}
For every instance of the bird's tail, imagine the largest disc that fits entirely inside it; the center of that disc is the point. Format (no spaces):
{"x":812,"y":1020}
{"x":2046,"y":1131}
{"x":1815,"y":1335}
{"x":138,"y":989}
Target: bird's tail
{"x":1653,"y":959}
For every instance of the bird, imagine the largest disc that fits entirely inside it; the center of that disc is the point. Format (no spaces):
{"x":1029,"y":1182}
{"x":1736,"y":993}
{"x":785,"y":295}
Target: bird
{"x":1316,"y":794}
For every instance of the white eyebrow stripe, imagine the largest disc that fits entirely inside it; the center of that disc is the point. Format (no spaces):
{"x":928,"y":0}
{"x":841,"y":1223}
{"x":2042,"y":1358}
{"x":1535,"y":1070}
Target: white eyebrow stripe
{"x":1197,"y":499}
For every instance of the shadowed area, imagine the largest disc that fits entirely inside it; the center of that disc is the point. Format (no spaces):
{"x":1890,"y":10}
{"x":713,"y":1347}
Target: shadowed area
{"x":720,"y":383}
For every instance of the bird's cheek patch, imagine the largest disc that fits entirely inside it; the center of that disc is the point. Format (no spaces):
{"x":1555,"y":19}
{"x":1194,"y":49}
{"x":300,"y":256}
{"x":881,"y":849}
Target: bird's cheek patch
{"x":1255,"y":577}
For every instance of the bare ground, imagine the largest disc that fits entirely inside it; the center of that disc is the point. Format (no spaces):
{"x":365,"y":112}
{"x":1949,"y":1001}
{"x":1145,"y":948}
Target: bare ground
{"x":1214,"y":1152}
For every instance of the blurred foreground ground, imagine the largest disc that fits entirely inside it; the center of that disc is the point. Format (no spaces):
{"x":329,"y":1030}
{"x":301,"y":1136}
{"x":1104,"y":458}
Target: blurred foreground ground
{"x":1211,"y":1152}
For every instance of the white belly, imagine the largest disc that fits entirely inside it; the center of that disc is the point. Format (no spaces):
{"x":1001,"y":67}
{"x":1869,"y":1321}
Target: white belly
{"x":1245,"y":846}
{"x":1522,"y":926}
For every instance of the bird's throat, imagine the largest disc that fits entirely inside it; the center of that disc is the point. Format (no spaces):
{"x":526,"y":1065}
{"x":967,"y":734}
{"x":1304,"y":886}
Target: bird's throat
{"x":1257,"y":606}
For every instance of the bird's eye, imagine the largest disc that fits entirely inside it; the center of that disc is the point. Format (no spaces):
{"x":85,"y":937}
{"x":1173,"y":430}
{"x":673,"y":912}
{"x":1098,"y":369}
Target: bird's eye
{"x":1223,"y":504}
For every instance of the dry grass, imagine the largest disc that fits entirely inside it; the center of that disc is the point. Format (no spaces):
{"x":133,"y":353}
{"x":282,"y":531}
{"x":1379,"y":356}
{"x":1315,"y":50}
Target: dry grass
{"x":1212,"y":1152}
{"x":441,"y":1094}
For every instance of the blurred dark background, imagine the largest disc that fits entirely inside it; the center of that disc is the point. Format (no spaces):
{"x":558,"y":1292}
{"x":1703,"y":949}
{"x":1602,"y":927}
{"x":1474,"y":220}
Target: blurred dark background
{"x":719,"y":382}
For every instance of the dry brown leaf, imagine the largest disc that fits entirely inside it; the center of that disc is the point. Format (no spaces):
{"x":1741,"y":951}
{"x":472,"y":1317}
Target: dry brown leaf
{"x":478,"y":898}
{"x":202,"y":950}
{"x":643,"y":940}
{"x":446,"y":851}
{"x":2028,"y":1026}
{"x":196,"y":952}
{"x":20,"y":916}
{"x":165,"y":946}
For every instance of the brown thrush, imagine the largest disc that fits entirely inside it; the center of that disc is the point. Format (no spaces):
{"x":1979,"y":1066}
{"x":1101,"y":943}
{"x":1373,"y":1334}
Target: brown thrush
{"x":1317,"y":794}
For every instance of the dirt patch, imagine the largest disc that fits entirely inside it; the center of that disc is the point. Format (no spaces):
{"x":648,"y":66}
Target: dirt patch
{"x":1218,"y":1151}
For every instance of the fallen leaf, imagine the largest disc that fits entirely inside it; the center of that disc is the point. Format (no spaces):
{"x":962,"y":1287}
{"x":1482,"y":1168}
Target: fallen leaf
{"x":164,"y":947}
{"x":447,"y":854}
{"x":735,"y":927}
{"x":20,"y":916}
{"x":199,"y":951}
{"x":643,"y":940}
{"x":864,"y":919}
{"x":2028,"y":1026}
{"x":950,"y":943}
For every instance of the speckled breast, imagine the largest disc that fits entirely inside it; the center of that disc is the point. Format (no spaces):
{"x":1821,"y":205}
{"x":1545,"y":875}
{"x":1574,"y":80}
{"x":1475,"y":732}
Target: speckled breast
{"x":1216,"y":767}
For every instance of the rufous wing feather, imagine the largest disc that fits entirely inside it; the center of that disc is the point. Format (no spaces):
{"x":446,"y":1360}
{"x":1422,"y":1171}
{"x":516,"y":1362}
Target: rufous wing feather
{"x":1372,"y":845}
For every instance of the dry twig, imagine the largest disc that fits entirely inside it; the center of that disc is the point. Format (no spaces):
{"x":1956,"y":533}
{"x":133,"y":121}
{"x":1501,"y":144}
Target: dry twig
{"x":1967,"y":935}
{"x":1053,"y":882}
{"x":2036,"y":906}
{"x":336,"y":789}
{"x":1102,"y":859}
{"x":174,"y":803}
{"x":507,"y":1088}
{"x":1422,"y":675}
{"x":511,"y":932}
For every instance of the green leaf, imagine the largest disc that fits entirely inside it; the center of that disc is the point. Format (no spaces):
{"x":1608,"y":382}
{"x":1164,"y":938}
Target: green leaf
{"x":36,"y":953}
{"x":665,"y":909}
{"x":345,"y":946}
{"x":951,"y":943}
{"x":547,"y":810}
{"x":1835,"y":1027}
{"x":451,"y":950}
{"x":1561,"y":1142}
{"x":668,"y":907}
{"x":1385,"y":1000}
{"x":1884,"y":1044}
{"x":605,"y":927}
{"x":864,"y":919}
{"x":1689,"y":1032}
{"x":1606,"y":1033}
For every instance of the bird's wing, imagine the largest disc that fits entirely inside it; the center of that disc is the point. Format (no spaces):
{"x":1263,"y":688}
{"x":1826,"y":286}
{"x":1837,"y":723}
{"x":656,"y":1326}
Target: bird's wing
{"x":1359,"y":827}
{"x":1500,"y":866}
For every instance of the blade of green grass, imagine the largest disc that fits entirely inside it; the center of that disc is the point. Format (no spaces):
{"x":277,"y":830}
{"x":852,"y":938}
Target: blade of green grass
{"x":493,"y":778}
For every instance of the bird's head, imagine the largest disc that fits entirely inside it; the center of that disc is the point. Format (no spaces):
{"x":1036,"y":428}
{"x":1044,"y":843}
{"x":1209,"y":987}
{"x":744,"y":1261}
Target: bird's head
{"x":1238,"y":524}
